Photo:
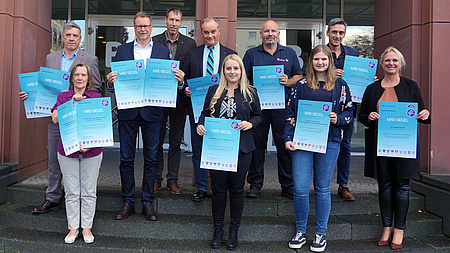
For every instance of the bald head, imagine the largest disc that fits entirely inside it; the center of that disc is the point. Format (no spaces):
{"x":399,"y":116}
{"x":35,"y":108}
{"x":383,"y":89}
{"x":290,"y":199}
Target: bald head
{"x":270,"y":33}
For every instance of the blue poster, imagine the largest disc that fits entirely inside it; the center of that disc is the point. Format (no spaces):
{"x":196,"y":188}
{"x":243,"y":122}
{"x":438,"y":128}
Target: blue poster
{"x":199,"y":87}
{"x":29,"y":84}
{"x":312,"y":126}
{"x":220,"y":148}
{"x":267,"y":80}
{"x":86,"y":124}
{"x":94,"y":122}
{"x":359,"y":73}
{"x":67,"y":118}
{"x":129,"y":86}
{"x":51,"y":83}
{"x":397,"y":129}
{"x":160,"y":84}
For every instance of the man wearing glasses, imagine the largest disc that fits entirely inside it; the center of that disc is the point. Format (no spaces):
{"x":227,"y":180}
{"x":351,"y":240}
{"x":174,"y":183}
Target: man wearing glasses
{"x":148,"y":118}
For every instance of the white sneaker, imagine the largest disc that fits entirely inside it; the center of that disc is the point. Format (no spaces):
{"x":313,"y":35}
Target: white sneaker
{"x":298,"y":241}
{"x":71,"y":239}
{"x":89,"y":238}
{"x":319,"y":243}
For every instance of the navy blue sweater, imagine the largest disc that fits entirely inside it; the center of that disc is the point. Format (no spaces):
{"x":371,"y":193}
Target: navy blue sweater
{"x":341,"y":105}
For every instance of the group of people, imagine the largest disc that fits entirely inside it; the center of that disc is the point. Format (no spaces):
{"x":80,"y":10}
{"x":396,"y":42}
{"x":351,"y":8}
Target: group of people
{"x":233,"y":98}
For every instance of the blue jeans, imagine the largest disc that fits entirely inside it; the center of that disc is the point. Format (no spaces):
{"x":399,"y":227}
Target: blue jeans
{"x":303,"y":165}
{"x":343,"y":162}
{"x":128,"y":130}
{"x":201,"y":175}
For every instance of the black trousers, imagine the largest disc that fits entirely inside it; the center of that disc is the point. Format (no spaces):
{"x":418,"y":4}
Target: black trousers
{"x":223,"y":181}
{"x":393,"y":193}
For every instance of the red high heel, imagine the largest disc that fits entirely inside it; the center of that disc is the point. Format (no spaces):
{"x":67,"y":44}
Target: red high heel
{"x":395,"y":246}
{"x":385,"y":243}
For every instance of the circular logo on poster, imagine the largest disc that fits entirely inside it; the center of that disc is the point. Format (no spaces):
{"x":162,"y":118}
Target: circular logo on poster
{"x":411,"y":112}
{"x":65,"y":76}
{"x":139,"y":64}
{"x":74,"y":103}
{"x":325,"y":107}
{"x":173,"y":65}
{"x":105,"y":102}
{"x":234,"y":125}
{"x":278,"y":70}
{"x":214,"y":79}
{"x":371,"y":64}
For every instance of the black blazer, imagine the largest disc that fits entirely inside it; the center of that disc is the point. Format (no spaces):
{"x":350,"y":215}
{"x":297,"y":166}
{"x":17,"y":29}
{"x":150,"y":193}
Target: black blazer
{"x":149,"y":113}
{"x":250,"y":112}
{"x":407,"y":91}
{"x":193,"y":66}
{"x":185,"y":44}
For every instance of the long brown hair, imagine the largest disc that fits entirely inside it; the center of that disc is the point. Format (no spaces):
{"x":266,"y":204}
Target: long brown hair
{"x":90,"y":84}
{"x":244,"y":87}
{"x":311,"y":77}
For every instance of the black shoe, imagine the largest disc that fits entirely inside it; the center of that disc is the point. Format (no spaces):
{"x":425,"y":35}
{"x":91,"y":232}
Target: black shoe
{"x":288,"y":194}
{"x":216,"y":242}
{"x":149,"y":213}
{"x":45,"y":207}
{"x":253,"y":192}
{"x":125,"y":211}
{"x":199,"y":196}
{"x":232,"y":240}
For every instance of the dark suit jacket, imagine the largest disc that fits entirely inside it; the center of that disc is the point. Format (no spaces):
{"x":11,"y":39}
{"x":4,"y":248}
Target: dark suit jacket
{"x":350,"y":51}
{"x":53,"y":61}
{"x":185,"y":44}
{"x":149,"y":113}
{"x":250,"y":112}
{"x":193,"y":66}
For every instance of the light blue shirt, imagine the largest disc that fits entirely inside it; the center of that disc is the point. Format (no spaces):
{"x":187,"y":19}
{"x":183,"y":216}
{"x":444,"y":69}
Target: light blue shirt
{"x":216,"y":54}
{"x":66,"y":63}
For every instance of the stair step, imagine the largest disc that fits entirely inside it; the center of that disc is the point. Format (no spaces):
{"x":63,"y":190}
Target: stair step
{"x":199,"y":227}
{"x":26,"y":240}
{"x":269,"y":204}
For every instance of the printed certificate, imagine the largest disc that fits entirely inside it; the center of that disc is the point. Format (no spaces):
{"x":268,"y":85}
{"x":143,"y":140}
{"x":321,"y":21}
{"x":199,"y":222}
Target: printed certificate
{"x":220,"y":149}
{"x":397,"y":129}
{"x":270,"y":91}
{"x":199,"y":87}
{"x":359,"y":73}
{"x":51,"y":83}
{"x":160,"y":84}
{"x":87,"y":124}
{"x":129,"y":86}
{"x":29,"y":84}
{"x":312,"y":126}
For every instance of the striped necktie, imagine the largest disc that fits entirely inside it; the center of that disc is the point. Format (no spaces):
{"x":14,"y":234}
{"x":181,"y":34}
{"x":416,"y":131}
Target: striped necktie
{"x":210,"y":62}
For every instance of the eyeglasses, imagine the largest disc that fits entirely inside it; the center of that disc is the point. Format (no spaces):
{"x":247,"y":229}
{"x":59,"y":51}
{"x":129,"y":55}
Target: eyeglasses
{"x":146,"y":27}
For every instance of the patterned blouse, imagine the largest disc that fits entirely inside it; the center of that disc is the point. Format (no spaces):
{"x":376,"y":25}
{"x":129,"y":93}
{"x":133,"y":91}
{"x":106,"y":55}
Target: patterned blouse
{"x":228,"y":108}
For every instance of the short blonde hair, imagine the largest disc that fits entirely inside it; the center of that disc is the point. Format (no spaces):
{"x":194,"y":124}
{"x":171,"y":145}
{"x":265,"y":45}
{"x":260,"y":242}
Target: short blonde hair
{"x":399,"y":54}
{"x":142,"y":14}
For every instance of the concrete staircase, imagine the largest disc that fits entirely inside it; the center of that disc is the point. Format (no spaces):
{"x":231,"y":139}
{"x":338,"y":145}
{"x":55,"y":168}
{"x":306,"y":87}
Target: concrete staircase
{"x":186,"y":226}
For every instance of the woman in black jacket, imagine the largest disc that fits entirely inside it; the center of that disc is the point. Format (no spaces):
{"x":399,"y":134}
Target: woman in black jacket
{"x":393,"y":174}
{"x":232,"y":98}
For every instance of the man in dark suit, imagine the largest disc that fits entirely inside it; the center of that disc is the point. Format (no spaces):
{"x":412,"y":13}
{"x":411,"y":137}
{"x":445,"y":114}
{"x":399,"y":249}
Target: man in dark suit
{"x":148,"y":118}
{"x":198,"y":65}
{"x":179,"y":45}
{"x":336,"y":33}
{"x":63,"y":59}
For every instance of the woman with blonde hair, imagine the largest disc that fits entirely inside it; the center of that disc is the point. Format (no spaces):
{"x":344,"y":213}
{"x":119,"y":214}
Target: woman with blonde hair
{"x":232,"y":98}
{"x":393,"y":174}
{"x":320,"y":85}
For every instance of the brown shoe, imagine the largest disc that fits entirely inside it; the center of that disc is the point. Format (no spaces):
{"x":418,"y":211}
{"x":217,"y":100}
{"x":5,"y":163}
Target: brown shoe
{"x":344,"y":193}
{"x":174,"y":189}
{"x":125,"y":211}
{"x":46,"y":207}
{"x":157,"y":186}
{"x":149,"y":213}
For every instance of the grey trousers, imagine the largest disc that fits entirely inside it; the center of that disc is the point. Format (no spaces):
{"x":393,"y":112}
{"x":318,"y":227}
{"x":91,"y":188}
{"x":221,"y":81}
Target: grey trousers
{"x":53,"y":192}
{"x":80,"y":185}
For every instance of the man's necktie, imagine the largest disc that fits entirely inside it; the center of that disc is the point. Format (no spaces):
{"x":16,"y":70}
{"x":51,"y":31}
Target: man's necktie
{"x":210,"y":62}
